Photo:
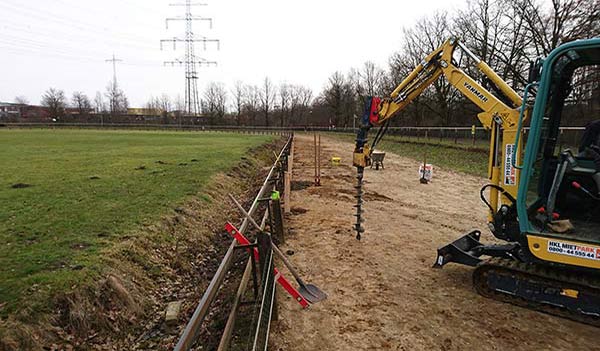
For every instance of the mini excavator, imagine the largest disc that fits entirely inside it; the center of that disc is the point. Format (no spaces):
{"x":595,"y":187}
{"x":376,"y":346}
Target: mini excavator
{"x":544,"y":203}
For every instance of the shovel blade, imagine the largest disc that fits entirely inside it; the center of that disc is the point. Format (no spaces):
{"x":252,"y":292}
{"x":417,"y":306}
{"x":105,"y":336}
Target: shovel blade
{"x":311,"y":293}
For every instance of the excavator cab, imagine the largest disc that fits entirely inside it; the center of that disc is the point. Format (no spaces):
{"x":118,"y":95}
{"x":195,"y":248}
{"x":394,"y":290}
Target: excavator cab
{"x":559,"y":194}
{"x":555,"y":218}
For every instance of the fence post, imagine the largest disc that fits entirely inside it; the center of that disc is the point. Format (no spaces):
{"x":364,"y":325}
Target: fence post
{"x":277,"y":218}
{"x":286,"y":192}
{"x":290,"y":159}
{"x":316,"y":154}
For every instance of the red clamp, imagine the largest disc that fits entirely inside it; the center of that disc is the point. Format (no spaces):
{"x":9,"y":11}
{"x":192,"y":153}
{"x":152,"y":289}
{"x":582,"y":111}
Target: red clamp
{"x":232,"y":230}
{"x":374,"y":110}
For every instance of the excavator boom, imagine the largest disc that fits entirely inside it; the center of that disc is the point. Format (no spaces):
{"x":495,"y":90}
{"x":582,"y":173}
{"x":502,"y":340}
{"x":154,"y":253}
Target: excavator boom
{"x":500,"y":116}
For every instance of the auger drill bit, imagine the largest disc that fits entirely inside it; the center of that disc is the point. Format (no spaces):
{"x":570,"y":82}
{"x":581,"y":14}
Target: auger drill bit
{"x":362,"y":159}
{"x":359,"y":193}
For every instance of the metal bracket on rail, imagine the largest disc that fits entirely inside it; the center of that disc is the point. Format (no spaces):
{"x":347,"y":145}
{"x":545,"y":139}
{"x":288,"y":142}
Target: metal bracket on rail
{"x":278,"y":276}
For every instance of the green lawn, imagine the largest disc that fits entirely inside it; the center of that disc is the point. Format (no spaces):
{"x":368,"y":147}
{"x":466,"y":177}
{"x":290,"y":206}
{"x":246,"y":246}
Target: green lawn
{"x":87,"y":190}
{"x":462,"y":157}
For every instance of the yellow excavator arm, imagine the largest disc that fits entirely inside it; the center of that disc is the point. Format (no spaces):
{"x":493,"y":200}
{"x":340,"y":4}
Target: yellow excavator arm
{"x":439,"y":63}
{"x":500,"y":116}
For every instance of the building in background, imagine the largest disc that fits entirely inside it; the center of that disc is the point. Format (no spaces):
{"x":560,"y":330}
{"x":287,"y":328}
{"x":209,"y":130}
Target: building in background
{"x":18,"y":112}
{"x":141,"y":111}
{"x":10,"y":110}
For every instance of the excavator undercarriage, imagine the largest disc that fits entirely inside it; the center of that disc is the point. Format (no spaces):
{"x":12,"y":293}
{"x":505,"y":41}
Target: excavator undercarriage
{"x":507,"y":277}
{"x":544,"y":287}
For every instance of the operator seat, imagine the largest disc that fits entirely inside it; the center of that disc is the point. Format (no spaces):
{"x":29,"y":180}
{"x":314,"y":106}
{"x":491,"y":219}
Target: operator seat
{"x":590,"y":148}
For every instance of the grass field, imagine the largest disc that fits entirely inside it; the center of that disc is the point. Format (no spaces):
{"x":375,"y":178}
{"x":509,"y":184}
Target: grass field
{"x":462,"y":158}
{"x":459,"y":157}
{"x":81,"y":190}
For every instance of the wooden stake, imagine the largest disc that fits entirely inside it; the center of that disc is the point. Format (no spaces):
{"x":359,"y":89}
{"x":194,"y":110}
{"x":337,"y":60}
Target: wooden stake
{"x":277,"y":219}
{"x":319,"y":162}
{"x":286,"y":192}
{"x":291,"y":159}
{"x":315,"y":145}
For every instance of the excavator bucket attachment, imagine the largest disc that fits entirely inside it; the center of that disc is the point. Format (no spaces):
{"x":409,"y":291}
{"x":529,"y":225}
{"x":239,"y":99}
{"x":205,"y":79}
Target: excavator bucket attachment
{"x":465,"y":250}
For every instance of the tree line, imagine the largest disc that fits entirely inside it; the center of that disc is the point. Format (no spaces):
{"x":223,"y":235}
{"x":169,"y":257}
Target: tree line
{"x":112,"y":101}
{"x":506,"y":34}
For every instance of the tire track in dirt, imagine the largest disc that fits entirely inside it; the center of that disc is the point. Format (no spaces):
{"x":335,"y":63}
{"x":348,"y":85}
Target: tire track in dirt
{"x":383,"y":293}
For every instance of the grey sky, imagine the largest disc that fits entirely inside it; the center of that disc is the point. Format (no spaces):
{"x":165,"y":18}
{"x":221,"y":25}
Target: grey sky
{"x":64,"y":43}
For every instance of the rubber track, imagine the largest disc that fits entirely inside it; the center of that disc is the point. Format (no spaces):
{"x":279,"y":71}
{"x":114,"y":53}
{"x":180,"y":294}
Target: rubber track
{"x":551,"y":276}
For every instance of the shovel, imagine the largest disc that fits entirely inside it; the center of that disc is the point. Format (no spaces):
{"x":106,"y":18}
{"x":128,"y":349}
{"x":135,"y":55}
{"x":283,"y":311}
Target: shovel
{"x":310,"y":292}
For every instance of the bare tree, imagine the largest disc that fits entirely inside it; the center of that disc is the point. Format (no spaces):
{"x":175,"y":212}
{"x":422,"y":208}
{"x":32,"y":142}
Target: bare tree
{"x":371,"y":79}
{"x":153,"y":104}
{"x":117,"y":100}
{"x":284,"y":102}
{"x":252,"y":102}
{"x":238,"y":94}
{"x":267,"y":95}
{"x":295,"y":95}
{"x":165,"y":103}
{"x":215,"y":102}
{"x":55,"y":101}
{"x":21,"y":100}
{"x":99,"y":104}
{"x":496,"y":33}
{"x":562,"y":21}
{"x":506,"y":34}
{"x":339,"y":98}
{"x":179,"y":103}
{"x":427,"y":35}
{"x":81,"y":102}
{"x":300,"y":99}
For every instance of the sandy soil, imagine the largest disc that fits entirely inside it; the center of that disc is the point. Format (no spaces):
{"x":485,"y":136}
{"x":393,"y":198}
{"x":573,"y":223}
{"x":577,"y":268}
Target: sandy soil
{"x":383,"y":293}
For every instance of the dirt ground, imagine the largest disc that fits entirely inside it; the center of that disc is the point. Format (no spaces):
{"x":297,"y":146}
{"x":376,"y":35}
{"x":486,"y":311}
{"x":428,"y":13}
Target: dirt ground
{"x":383,"y":293}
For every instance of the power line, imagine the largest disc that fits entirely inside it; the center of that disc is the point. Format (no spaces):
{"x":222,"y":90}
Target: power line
{"x":71,"y":36}
{"x":45,"y":16}
{"x":29,"y":46}
{"x":135,"y":4}
{"x":28,"y":52}
{"x":190,"y":61}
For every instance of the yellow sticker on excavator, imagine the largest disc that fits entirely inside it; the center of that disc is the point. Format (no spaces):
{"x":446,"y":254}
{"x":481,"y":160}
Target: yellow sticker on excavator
{"x":563,"y":251}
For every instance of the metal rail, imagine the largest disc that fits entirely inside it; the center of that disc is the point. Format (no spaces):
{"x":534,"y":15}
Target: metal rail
{"x":227,"y":331}
{"x":237,"y":128}
{"x":192,"y":329}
